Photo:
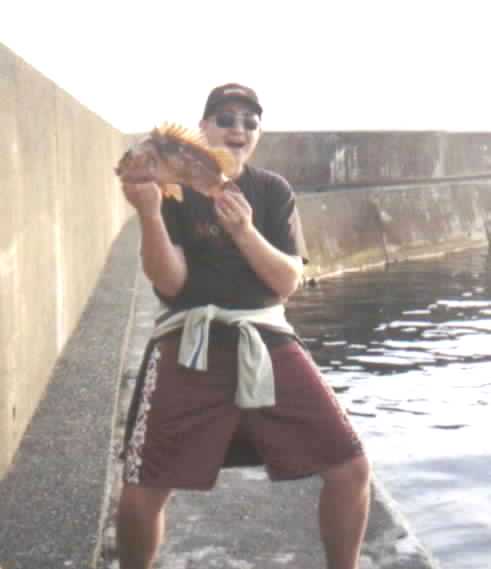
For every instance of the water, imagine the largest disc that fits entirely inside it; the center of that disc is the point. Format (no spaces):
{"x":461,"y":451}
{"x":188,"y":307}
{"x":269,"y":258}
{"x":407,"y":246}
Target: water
{"x":408,"y":350}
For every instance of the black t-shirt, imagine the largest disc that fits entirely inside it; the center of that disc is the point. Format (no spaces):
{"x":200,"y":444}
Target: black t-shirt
{"x":217,"y":271}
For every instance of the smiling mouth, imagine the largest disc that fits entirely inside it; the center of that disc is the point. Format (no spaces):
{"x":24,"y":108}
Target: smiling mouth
{"x":235,"y":144}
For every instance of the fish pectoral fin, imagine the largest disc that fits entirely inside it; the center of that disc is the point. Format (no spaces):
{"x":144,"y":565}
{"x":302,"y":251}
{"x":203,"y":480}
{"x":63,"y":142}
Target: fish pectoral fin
{"x":172,"y":191}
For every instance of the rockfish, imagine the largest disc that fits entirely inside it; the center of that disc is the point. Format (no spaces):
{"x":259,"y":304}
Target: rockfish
{"x":173,"y":156}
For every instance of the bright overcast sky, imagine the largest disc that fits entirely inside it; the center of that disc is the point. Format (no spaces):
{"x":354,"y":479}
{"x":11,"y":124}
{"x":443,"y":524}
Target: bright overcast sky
{"x":316,"y":65}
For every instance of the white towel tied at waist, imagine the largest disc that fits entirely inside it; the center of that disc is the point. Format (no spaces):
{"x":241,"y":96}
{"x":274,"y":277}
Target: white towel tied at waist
{"x":255,"y":387}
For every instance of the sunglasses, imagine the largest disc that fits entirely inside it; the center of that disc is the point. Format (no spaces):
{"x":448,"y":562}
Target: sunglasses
{"x":227,"y":119}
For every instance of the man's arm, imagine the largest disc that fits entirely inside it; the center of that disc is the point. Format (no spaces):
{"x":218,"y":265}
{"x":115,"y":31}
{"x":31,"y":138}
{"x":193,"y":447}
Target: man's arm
{"x":280,"y":271}
{"x":163,"y":262}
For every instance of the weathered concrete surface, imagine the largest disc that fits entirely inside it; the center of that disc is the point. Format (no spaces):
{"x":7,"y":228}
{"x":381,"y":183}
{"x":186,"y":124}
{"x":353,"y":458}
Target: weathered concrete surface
{"x":27,"y":254}
{"x":53,"y":496}
{"x":249,"y":523}
{"x":370,"y":225}
{"x":10,"y":168}
{"x":467,"y":153}
{"x":246,"y":522}
{"x":363,"y":228}
{"x":312,"y":160}
{"x":61,"y":210}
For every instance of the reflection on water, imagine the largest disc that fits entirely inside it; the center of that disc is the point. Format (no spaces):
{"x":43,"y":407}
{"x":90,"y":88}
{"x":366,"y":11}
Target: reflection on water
{"x":408,"y":350}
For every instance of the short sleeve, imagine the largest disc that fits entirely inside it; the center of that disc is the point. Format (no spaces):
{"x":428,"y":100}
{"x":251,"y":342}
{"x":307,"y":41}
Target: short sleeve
{"x":283,"y":227}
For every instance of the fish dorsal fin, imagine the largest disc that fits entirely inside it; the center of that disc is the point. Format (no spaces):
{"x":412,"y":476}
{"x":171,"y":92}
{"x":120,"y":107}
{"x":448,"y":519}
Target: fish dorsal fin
{"x":220,"y":155}
{"x":181,"y":133}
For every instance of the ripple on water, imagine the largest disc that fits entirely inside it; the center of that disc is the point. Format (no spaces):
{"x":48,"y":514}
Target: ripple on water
{"x":408,"y":351}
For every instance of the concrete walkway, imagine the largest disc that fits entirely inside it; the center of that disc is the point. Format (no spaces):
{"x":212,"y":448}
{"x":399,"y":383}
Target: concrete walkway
{"x":53,"y":497}
{"x":57,"y":504}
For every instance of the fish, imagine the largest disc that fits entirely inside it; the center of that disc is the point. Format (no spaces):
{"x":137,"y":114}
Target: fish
{"x":173,"y":156}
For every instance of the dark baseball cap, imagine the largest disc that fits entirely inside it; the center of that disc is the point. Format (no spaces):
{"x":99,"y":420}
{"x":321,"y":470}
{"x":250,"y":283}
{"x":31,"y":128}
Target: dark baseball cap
{"x":231,"y":92}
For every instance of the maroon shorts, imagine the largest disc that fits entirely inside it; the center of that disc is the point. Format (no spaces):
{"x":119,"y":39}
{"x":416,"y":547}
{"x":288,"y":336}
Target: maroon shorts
{"x":186,"y":427}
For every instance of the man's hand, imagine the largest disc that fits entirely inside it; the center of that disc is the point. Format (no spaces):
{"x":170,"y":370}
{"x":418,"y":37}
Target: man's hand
{"x":280,"y":271}
{"x":146,"y":198}
{"x":234,"y":213}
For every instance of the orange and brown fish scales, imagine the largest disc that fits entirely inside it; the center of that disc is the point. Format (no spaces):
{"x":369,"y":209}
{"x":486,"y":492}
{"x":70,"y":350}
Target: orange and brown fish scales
{"x":173,"y":156}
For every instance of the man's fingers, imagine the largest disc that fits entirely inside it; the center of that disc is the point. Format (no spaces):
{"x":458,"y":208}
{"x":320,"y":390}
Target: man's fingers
{"x":227,"y":214}
{"x":234,"y":201}
{"x":234,"y":196}
{"x":222,"y":216}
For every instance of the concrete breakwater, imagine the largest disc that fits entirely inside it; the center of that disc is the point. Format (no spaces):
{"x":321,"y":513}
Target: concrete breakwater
{"x":360,"y":229}
{"x":319,"y":160}
{"x":370,"y":198}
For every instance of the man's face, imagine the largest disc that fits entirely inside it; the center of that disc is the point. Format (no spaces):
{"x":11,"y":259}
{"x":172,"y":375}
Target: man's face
{"x":237,"y":127}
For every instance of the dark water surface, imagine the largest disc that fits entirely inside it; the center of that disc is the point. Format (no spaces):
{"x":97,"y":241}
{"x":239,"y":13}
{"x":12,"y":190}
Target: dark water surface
{"x":408,"y":350}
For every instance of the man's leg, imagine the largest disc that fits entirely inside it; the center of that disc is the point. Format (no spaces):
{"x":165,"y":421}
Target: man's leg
{"x":140,"y":525}
{"x":343,"y":512}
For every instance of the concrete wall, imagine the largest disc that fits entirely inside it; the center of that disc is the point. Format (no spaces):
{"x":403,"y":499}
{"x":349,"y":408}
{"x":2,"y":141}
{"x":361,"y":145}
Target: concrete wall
{"x":61,"y":210}
{"x":364,"y":228}
{"x":467,"y":154}
{"x":377,"y":197}
{"x":313,"y":160}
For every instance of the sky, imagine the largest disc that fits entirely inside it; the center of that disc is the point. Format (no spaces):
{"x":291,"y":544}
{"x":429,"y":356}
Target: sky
{"x":343,"y":65}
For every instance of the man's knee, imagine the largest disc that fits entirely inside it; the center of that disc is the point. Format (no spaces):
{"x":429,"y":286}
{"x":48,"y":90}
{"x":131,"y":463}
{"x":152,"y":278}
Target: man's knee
{"x":354,"y":473}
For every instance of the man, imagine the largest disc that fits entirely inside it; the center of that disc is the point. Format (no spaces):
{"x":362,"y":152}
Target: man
{"x":232,"y":260}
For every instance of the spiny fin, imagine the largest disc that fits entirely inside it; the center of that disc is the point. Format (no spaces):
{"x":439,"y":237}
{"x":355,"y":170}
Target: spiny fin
{"x":222,"y":157}
{"x":182,"y":133}
{"x":172,"y":191}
